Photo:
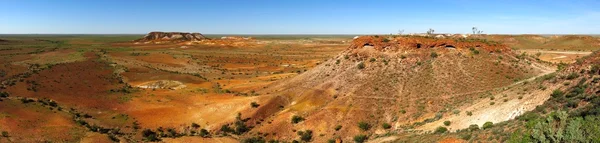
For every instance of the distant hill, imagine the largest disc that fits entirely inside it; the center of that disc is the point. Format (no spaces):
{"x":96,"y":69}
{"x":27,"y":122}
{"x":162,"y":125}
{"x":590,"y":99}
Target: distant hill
{"x":556,"y":42}
{"x":166,"y":37}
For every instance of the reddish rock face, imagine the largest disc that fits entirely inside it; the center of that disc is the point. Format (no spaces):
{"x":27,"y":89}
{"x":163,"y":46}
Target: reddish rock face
{"x":171,"y":37}
{"x":421,"y":42}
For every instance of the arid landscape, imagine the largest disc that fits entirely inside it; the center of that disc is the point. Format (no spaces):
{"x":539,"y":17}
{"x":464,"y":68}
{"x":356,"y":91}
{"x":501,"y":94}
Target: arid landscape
{"x":186,"y":87}
{"x":299,"y":71}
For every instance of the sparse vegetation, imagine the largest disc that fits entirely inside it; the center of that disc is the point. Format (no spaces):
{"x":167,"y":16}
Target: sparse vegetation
{"x":487,"y":125}
{"x":473,"y":127}
{"x":107,"y":75}
{"x":360,"y":138}
{"x":434,"y":55}
{"x":305,"y":135}
{"x":447,"y":123}
{"x":364,"y":126}
{"x":440,"y":130}
{"x":338,"y":127}
{"x":297,"y":119}
{"x":361,"y":65}
{"x":386,"y":126}
{"x":254,"y":105}
{"x":150,"y":136}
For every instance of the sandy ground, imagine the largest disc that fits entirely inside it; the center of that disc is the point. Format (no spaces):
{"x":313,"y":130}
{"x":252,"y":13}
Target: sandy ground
{"x":556,"y":56}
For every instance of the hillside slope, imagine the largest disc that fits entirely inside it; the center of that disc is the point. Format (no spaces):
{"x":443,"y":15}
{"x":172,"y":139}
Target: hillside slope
{"x":557,"y":42}
{"x":400,"y":81}
{"x":569,"y":113}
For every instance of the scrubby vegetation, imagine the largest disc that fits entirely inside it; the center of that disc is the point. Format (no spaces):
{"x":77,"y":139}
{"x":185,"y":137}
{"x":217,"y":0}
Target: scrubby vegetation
{"x":440,"y":130}
{"x":364,"y":126}
{"x":305,"y":135}
{"x":297,"y":119}
{"x":360,"y":138}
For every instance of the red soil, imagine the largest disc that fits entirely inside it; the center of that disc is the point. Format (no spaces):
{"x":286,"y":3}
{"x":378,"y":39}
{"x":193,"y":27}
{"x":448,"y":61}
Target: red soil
{"x":416,"y":42}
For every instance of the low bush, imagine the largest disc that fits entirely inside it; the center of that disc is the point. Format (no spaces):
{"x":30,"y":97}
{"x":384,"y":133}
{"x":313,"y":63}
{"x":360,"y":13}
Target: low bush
{"x":557,"y":93}
{"x":440,"y":130}
{"x":364,"y":126}
{"x":361,"y":65}
{"x":447,"y":123}
{"x":305,"y":135}
{"x":386,"y":126}
{"x":338,"y":127}
{"x":487,"y":125}
{"x":297,"y":119}
{"x":473,"y":127}
{"x":434,"y":55}
{"x":360,"y":138}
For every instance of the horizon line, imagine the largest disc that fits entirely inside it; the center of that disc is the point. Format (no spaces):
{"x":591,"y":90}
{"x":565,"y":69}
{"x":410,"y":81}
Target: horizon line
{"x":285,"y":34}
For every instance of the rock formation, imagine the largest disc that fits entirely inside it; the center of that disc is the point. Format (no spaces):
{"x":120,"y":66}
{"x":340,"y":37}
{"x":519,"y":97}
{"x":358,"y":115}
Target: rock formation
{"x":162,"y":37}
{"x":382,"y":43}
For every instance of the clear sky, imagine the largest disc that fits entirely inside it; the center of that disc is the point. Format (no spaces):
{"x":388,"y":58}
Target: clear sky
{"x":298,"y":16}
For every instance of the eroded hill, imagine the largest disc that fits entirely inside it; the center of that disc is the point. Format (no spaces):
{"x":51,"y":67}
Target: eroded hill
{"x":173,"y":37}
{"x":390,"y":83}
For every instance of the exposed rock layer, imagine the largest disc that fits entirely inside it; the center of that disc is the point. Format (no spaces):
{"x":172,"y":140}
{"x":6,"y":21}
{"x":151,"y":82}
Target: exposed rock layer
{"x":171,"y":37}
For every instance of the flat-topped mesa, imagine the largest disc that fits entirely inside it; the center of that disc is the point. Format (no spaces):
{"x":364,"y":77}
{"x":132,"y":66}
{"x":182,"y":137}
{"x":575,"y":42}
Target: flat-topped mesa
{"x":401,"y":43}
{"x":171,"y":37}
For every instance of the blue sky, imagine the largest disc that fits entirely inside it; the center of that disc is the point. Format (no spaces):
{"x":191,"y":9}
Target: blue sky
{"x":298,"y":16}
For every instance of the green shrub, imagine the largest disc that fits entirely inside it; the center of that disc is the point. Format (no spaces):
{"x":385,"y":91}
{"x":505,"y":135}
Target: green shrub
{"x":254,"y":104}
{"x":595,"y":69}
{"x":226,"y":129}
{"x":572,"y":76}
{"x":434,"y":55}
{"x":440,"y":130}
{"x":372,"y":60}
{"x":469,"y":113}
{"x":204,"y":133}
{"x":297,"y":119}
{"x":150,"y":135}
{"x":305,"y":135}
{"x":474,"y":51}
{"x":361,"y":65}
{"x":195,"y":126}
{"x":447,"y":123}
{"x":4,"y":94}
{"x":360,"y":138}
{"x":557,"y":93}
{"x":573,"y":103}
{"x":487,"y":125}
{"x":473,"y":127}
{"x":364,"y":126}
{"x":254,"y":140}
{"x":5,"y":134}
{"x":338,"y":127}
{"x":465,"y":137}
{"x":456,"y":112}
{"x":386,"y":126}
